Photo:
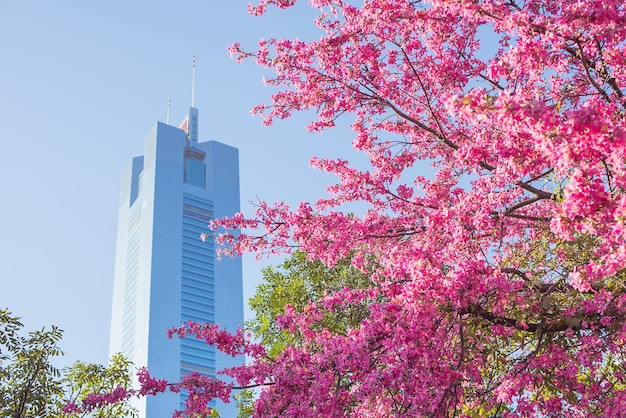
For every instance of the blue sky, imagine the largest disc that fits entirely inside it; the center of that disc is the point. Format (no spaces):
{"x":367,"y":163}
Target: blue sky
{"x":81,"y":84}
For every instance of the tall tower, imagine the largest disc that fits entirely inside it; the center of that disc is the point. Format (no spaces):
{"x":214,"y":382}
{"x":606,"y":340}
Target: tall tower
{"x":164,"y":273}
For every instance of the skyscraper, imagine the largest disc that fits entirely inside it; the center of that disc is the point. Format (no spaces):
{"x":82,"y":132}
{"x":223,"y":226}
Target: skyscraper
{"x":164,"y":273}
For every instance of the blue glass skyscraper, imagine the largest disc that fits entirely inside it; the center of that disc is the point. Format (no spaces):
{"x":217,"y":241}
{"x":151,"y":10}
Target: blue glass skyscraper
{"x":164,"y":273}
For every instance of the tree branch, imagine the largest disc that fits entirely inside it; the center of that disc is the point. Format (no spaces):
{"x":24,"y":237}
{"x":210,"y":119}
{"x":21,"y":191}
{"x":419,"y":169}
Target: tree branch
{"x":574,"y":323}
{"x":520,"y":205}
{"x":253,"y":386}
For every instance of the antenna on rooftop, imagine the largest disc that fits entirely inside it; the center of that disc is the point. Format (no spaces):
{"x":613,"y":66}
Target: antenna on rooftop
{"x":169,"y":104}
{"x":193,"y":80}
{"x":192,"y":117}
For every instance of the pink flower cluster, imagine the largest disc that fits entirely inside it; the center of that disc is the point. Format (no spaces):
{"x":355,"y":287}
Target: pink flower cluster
{"x":95,"y":401}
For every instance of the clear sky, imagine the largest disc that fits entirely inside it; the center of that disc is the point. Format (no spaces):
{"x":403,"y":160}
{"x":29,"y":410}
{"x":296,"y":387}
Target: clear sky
{"x":81,"y":84}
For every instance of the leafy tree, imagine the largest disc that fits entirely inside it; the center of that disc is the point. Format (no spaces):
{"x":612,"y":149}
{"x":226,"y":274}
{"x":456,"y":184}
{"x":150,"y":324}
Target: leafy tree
{"x":245,"y":403}
{"x":498,"y":280}
{"x":83,"y":382}
{"x":297,"y":283}
{"x":31,"y":386}
{"x":29,"y":382}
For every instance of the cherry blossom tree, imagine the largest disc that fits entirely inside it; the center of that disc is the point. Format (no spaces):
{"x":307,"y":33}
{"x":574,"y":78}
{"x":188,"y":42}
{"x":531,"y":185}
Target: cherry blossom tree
{"x":498,"y":279}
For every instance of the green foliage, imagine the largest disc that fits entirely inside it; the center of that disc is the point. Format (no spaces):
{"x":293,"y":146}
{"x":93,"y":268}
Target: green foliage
{"x":9,"y":325}
{"x":31,"y":386}
{"x":29,"y":382}
{"x":299,"y":281}
{"x":245,"y":403}
{"x":82,"y":379}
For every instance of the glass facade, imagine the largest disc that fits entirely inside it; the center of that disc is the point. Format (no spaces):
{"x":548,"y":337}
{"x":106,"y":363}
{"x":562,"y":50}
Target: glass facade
{"x":164,"y":273}
{"x":197,"y":283}
{"x":195,"y":173}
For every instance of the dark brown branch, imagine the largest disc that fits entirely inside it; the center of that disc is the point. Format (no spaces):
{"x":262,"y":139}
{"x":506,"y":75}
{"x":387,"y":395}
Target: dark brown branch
{"x":26,"y":392}
{"x":396,"y":234}
{"x":540,"y":193}
{"x":540,"y":287}
{"x":604,"y":73}
{"x":253,"y":386}
{"x":537,"y":192}
{"x":586,"y":64}
{"x":426,"y":95}
{"x":517,"y":272}
{"x":574,"y":323}
{"x":520,"y":205}
{"x":529,"y":218}
{"x":545,"y":173}
{"x":418,"y":123}
{"x":490,"y":81}
{"x":462,"y":346}
{"x":478,"y":311}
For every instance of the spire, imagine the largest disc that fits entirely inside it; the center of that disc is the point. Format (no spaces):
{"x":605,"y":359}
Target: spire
{"x":192,"y":132}
{"x":169,"y":105}
{"x":193,"y":81}
{"x":190,"y":124}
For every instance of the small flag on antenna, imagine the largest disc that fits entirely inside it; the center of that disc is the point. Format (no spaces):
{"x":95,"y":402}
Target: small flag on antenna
{"x":184,"y":125}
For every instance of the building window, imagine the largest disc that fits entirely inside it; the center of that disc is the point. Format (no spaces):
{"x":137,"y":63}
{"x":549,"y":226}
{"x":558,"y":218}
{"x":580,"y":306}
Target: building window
{"x":195,"y":173}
